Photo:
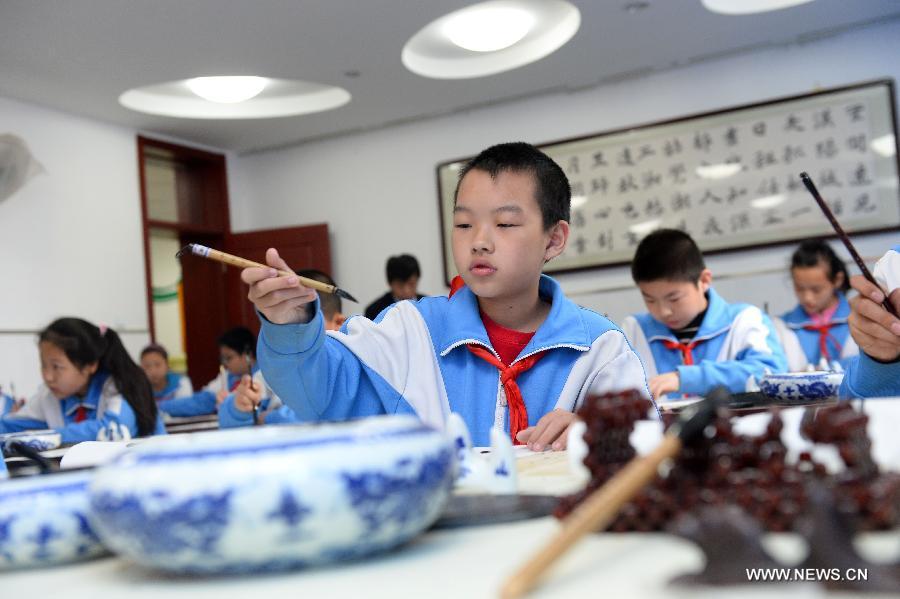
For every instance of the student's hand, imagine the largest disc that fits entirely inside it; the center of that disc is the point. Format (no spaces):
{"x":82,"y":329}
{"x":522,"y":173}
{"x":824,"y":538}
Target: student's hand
{"x":664,"y":383}
{"x":221,"y":394}
{"x":282,"y":300}
{"x":246,"y":398}
{"x":875,"y":331}
{"x":552,"y":431}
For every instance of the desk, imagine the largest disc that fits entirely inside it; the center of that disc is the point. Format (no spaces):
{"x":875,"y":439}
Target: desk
{"x":473,"y":562}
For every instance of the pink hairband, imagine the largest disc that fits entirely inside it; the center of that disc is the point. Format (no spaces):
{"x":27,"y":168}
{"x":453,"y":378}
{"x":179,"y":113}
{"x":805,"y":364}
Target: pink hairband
{"x":103,"y":328}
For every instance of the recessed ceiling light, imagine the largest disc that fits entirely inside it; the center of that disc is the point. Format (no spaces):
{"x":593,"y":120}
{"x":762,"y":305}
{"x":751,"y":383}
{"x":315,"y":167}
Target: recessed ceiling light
{"x":227,"y":89}
{"x":445,"y":50}
{"x":276,"y":98}
{"x":488,"y":28}
{"x":746,"y":7}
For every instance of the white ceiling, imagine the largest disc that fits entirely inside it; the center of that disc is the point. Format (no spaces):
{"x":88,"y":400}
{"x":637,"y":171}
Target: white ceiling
{"x":79,"y":55}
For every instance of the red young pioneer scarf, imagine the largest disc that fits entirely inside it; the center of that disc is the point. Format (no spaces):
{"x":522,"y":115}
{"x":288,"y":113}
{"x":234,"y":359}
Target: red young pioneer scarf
{"x":518,"y":413}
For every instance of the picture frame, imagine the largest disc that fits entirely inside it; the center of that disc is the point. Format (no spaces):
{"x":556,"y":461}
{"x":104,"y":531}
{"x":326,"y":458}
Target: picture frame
{"x":729,"y":177}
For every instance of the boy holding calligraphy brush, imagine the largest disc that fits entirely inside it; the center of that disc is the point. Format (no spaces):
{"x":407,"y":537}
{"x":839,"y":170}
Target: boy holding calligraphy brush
{"x":505,"y":350}
{"x":876,"y":371}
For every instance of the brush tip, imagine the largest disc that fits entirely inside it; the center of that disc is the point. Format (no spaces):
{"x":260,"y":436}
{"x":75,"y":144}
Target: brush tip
{"x":341,"y":293}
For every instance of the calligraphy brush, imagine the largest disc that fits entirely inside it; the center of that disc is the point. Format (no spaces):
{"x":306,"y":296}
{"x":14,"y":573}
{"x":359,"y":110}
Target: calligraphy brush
{"x":846,"y":240}
{"x":600,"y":507}
{"x":202,"y":250}
{"x":249,"y":361}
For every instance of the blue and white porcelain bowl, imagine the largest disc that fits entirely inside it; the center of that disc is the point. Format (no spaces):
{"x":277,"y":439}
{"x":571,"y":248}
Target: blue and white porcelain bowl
{"x":44,"y":520}
{"x":273,"y":498}
{"x":41,"y":440}
{"x":802,"y":386}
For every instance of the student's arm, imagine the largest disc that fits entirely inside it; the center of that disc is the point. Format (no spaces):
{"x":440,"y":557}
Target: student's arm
{"x":318,"y":377}
{"x":756,"y":352}
{"x":232,"y":417}
{"x":198,"y":404}
{"x":13,"y":423}
{"x":867,"y":378}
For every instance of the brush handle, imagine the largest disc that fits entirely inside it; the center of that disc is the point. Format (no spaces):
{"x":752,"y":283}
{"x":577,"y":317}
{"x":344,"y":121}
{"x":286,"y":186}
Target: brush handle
{"x":594,"y":513}
{"x":225,"y":258}
{"x":811,"y":187}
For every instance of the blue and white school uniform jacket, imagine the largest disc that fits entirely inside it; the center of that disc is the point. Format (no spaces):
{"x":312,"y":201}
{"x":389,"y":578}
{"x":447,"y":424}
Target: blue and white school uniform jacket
{"x":109,"y":416}
{"x":412,"y":359}
{"x":864,"y":376}
{"x":202,"y":402}
{"x":271,"y":408}
{"x":177,"y":385}
{"x":801,"y":346}
{"x":739,"y":346}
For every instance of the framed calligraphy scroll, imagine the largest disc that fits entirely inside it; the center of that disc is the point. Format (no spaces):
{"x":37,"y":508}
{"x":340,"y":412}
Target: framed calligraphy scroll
{"x":730,"y":178}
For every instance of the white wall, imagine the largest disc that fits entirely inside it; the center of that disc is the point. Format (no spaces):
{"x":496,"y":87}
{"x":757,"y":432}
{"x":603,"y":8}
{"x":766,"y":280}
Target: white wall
{"x":70,"y":240}
{"x":378,"y":190}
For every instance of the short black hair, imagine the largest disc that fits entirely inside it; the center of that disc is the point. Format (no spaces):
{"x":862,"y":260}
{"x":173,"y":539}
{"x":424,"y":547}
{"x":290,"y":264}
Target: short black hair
{"x":402,"y":268}
{"x":330,"y":303}
{"x":240,"y":339}
{"x":813,"y":252}
{"x":155,"y":348}
{"x":667,"y":255}
{"x":552,"y":191}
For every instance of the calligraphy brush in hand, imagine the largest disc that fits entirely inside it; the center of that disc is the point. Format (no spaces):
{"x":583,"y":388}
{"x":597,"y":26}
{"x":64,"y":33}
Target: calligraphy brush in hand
{"x":600,"y":507}
{"x":807,"y":181}
{"x":225,"y":258}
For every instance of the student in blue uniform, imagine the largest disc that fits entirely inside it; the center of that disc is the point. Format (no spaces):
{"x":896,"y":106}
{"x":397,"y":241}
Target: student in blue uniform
{"x":237,"y":354}
{"x":692,"y":340}
{"x":166,"y":384}
{"x":92,"y":391}
{"x":815,"y":334}
{"x":876,"y":371}
{"x":508,"y":350}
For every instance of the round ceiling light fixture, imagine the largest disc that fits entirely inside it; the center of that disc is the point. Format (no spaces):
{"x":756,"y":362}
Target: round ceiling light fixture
{"x":488,"y":28}
{"x":234,"y":97}
{"x":227,"y":89}
{"x":747,"y":7}
{"x":490,"y":37}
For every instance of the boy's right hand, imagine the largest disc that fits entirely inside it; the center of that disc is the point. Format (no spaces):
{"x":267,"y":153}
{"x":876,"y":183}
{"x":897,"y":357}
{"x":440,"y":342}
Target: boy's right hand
{"x":875,"y":331}
{"x":282,"y":300}
{"x":245,"y":398}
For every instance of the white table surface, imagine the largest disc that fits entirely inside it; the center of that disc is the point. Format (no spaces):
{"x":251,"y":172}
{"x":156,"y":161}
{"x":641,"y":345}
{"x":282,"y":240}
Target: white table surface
{"x":472,"y":562}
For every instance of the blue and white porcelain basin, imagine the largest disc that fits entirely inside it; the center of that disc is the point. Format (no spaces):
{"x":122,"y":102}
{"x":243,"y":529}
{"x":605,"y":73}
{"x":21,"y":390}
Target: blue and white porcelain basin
{"x":40,"y":440}
{"x":802,"y":386}
{"x":44,"y":520}
{"x":273,"y":498}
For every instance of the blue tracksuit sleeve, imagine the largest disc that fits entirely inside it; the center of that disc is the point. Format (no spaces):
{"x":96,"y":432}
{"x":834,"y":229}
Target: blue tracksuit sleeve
{"x":867,"y":378}
{"x":318,"y":377}
{"x":231,"y":417}
{"x":12,"y":424}
{"x":281,"y":415}
{"x":758,"y":353}
{"x":111,"y":427}
{"x":198,"y":404}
